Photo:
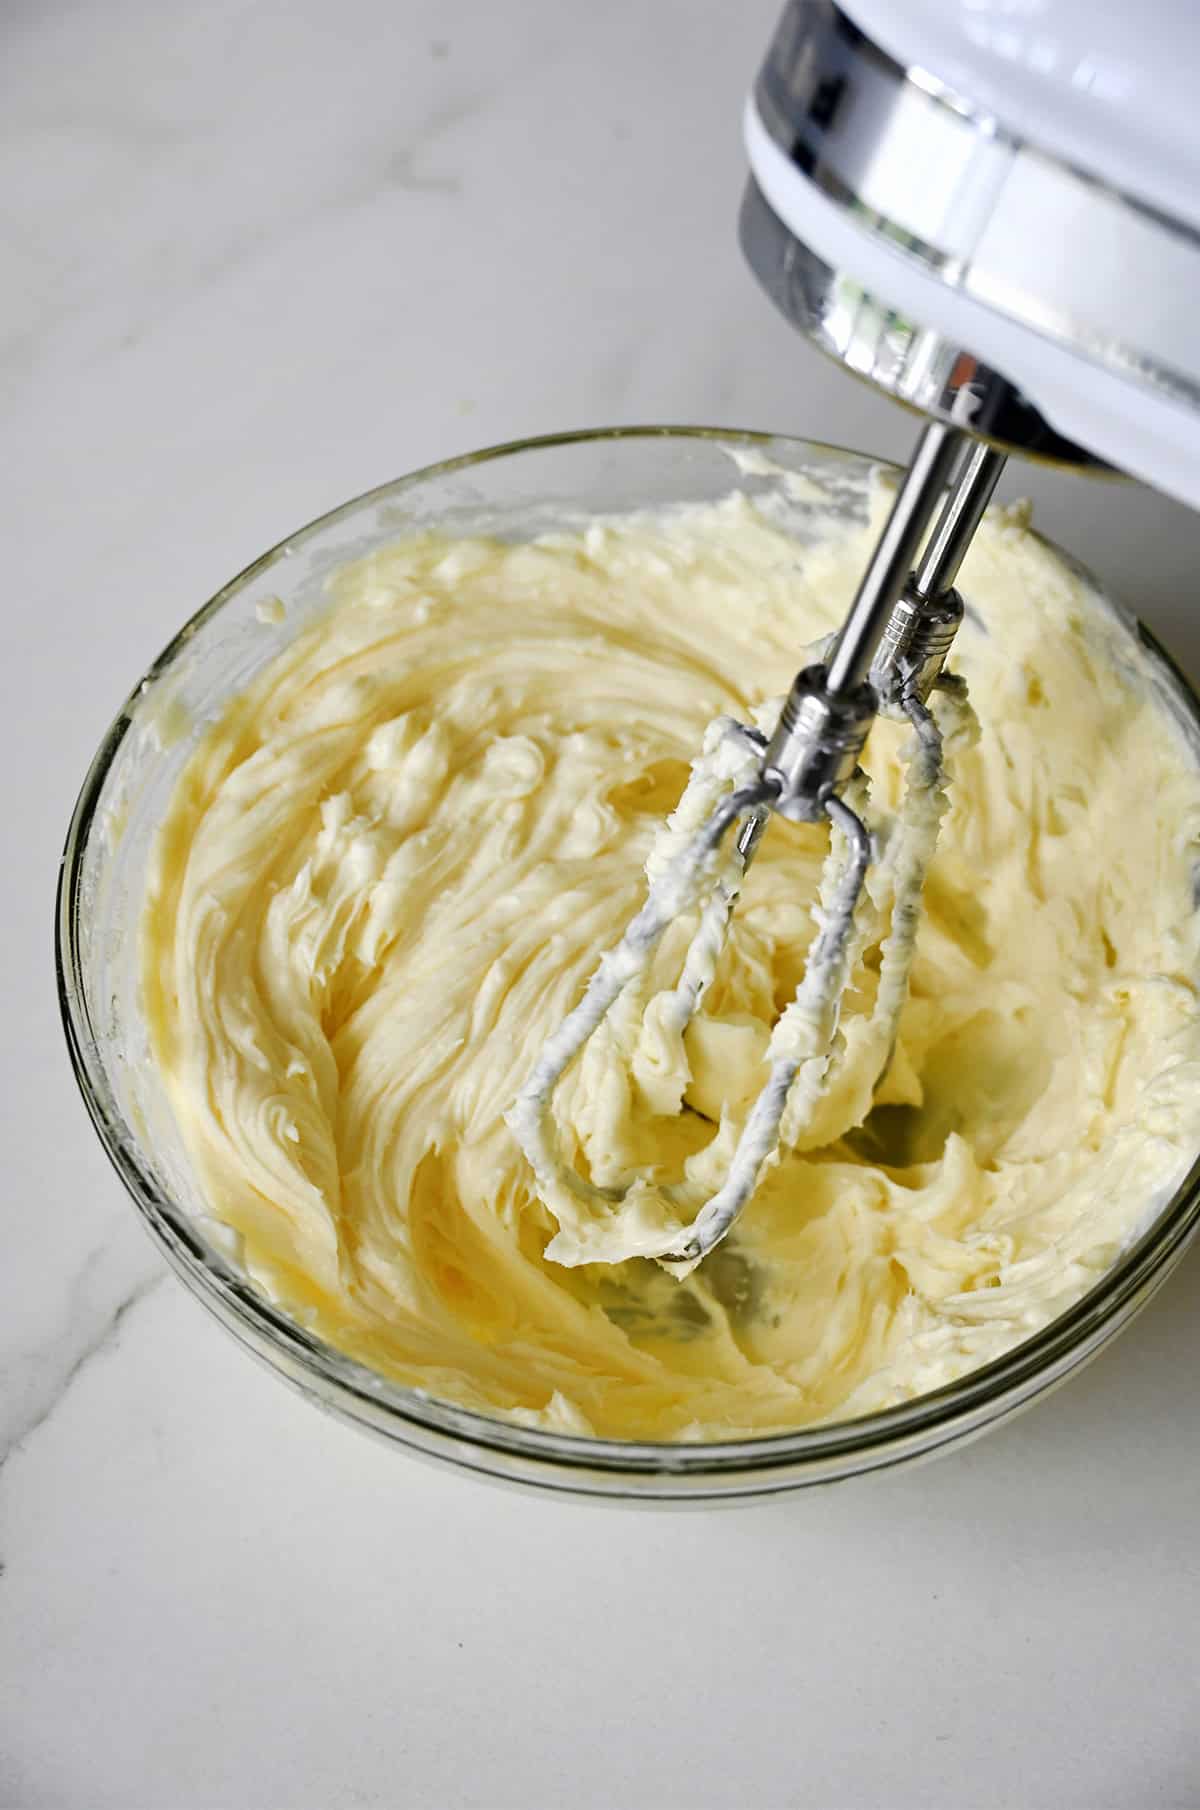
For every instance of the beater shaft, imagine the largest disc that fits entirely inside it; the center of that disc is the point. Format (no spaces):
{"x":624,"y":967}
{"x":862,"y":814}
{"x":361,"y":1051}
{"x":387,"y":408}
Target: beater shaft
{"x":890,"y":564}
{"x":827,"y":713}
{"x":961,"y":515}
{"x":924,"y":621}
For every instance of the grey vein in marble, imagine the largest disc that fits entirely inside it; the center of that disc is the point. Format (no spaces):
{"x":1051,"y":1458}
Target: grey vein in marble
{"x":33,"y":1385}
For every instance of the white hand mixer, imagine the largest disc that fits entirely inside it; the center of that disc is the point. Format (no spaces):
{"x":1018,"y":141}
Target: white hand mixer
{"x":1020,"y":180}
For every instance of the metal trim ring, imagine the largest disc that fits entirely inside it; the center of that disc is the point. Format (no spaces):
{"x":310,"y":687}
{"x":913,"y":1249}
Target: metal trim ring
{"x":918,"y":368}
{"x":852,"y":120}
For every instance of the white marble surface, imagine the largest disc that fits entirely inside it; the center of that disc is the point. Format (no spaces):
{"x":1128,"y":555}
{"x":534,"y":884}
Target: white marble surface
{"x":255,"y":257}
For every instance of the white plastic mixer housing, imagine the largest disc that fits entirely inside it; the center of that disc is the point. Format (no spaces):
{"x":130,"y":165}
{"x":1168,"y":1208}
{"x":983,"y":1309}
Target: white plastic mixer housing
{"x":967,"y":195}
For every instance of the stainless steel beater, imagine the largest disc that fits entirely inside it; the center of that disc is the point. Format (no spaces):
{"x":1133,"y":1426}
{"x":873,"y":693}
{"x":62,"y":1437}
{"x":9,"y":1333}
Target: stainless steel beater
{"x":888,"y":656}
{"x":929,"y":209}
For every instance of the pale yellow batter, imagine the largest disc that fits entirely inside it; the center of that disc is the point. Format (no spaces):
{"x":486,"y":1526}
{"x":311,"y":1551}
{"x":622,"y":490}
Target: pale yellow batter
{"x":391,"y":867}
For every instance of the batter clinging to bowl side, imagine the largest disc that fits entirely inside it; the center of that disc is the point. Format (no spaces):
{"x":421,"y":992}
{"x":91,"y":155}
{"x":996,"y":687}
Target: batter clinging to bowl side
{"x":390,"y":867}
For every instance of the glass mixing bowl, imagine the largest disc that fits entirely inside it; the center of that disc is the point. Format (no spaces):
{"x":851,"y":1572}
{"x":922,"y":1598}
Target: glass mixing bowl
{"x":515,"y":491}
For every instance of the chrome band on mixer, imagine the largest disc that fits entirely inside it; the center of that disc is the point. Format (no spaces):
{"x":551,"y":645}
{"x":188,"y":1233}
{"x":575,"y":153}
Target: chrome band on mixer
{"x":847,"y":117}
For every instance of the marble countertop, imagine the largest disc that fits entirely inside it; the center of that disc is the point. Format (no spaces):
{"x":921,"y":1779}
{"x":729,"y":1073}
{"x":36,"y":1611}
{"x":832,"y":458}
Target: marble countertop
{"x":257,"y":258}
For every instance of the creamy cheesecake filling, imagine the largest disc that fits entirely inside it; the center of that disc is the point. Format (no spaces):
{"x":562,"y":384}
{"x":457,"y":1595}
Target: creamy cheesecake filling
{"x":392,"y":865}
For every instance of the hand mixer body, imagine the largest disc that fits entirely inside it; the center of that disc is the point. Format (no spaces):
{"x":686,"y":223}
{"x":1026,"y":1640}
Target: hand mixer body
{"x":1034,"y":291}
{"x":993,"y":213}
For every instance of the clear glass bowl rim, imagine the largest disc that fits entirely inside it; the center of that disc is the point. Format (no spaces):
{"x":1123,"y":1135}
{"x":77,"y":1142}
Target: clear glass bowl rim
{"x":428,"y":1423}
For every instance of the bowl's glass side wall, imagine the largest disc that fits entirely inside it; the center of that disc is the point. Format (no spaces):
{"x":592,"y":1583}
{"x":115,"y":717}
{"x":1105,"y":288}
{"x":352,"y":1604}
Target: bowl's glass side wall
{"x":514,"y":493}
{"x":681,"y":1476}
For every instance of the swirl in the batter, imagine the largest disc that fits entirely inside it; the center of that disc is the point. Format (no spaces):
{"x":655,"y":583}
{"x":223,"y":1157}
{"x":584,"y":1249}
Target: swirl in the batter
{"x":391,"y":866}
